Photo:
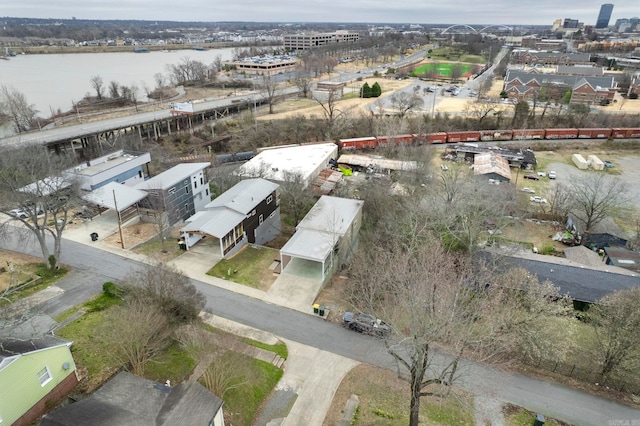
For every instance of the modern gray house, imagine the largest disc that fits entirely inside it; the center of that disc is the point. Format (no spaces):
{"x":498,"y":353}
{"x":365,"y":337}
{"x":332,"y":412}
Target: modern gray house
{"x":180,"y":192}
{"x":125,"y":167}
{"x":249,"y":212}
{"x":325,"y":237}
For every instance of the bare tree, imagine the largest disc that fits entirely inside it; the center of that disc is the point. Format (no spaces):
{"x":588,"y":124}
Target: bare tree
{"x":447,"y":301}
{"x":15,"y":104}
{"x":480,"y":109}
{"x":36,"y":191}
{"x":597,"y":196}
{"x":559,"y":197}
{"x":404,"y":102}
{"x":332,"y":114}
{"x":224,"y":371}
{"x":136,"y":332}
{"x":164,"y":286}
{"x":296,"y":197}
{"x":302,"y":81}
{"x":98,"y":86}
{"x":270,"y":91}
{"x":616,"y":320}
{"x":114,"y":90}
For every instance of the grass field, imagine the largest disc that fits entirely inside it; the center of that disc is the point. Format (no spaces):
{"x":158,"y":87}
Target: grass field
{"x":443,"y":69}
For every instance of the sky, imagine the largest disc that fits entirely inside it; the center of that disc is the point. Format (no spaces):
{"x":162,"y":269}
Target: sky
{"x":534,"y":12}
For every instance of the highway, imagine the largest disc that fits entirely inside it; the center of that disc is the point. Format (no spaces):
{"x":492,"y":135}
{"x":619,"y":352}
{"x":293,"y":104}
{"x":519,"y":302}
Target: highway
{"x":60,"y":134}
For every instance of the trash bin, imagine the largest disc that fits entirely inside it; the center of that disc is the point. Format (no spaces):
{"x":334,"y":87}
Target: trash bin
{"x":321,"y":311}
{"x":316,"y":307}
{"x":539,"y":420}
{"x":94,"y":236}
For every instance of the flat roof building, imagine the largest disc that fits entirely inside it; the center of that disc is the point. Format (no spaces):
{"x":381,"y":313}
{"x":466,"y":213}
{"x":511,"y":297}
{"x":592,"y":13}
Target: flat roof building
{"x":311,"y":40}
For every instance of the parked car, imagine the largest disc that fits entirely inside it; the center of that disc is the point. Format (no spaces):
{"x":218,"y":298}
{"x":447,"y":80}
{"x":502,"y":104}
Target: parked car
{"x":538,"y":199}
{"x":365,"y":323}
{"x":444,"y":167}
{"x":23,"y":213}
{"x":532,"y":177}
{"x":552,"y":174}
{"x":608,"y":164}
{"x":528,"y":190}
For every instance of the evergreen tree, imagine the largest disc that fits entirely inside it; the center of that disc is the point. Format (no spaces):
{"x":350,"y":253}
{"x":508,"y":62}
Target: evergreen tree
{"x":376,"y":90}
{"x":365,"y":92}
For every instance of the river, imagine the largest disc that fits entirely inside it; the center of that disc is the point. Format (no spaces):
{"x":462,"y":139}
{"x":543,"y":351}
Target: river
{"x":52,"y":82}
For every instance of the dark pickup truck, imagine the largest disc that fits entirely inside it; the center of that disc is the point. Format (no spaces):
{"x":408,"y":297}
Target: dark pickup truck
{"x":365,"y":323}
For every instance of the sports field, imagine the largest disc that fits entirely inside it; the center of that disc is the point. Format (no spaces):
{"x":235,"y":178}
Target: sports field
{"x":443,"y":69}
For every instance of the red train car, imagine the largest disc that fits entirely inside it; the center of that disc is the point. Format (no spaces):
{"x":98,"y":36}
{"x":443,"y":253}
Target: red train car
{"x":471,"y":136}
{"x":438,"y":137}
{"x":629,"y":132}
{"x":560,"y":133}
{"x":396,"y":140}
{"x":358,"y":143}
{"x":496,"y":135}
{"x":528,"y":134}
{"x":594,"y":133}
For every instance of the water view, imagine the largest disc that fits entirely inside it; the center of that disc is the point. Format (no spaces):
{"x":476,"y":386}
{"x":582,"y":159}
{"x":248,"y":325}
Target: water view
{"x":52,"y":82}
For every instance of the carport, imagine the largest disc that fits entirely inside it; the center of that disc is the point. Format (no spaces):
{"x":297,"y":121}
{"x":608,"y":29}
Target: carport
{"x":308,"y":254}
{"x":224,"y":225}
{"x":120,"y":198}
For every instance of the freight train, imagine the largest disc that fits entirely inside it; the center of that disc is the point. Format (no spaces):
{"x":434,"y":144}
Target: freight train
{"x":372,"y":142}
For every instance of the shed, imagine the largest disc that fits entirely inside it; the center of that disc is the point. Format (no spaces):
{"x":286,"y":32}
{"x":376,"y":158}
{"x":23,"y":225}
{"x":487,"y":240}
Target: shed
{"x":579,"y":161}
{"x":595,"y":163}
{"x":491,"y":165}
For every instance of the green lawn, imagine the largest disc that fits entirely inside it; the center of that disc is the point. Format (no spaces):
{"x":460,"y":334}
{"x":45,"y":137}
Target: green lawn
{"x":173,"y":364}
{"x":443,"y":69}
{"x":242,"y":403}
{"x":246,"y":267}
{"x":47,"y":277}
{"x":90,"y":350}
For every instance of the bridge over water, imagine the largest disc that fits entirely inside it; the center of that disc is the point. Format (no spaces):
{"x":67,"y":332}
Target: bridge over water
{"x":152,"y":125}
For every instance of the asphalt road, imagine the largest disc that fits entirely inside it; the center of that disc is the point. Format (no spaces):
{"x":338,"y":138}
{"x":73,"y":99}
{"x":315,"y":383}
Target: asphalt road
{"x":92,"y":267}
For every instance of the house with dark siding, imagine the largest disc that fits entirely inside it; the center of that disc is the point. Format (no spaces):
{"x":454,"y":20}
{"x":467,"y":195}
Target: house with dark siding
{"x":249,"y":212}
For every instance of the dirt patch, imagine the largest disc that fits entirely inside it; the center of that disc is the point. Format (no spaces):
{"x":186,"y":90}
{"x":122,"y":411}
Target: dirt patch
{"x":133,"y":235}
{"x":19,"y":262}
{"x":333,"y":297}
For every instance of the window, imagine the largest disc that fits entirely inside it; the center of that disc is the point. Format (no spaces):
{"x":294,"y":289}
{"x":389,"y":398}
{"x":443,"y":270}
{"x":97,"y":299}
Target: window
{"x":269,"y":199}
{"x":201,"y":180}
{"x":186,"y":188}
{"x":195,"y":183}
{"x":260,"y":219}
{"x":139,"y":173}
{"x":44,"y":376}
{"x":172,"y":191}
{"x":273,"y":213}
{"x":206,"y":191}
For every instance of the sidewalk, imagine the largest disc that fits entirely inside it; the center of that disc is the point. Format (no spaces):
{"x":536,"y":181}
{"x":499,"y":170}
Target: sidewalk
{"x":311,"y":377}
{"x":289,"y":291}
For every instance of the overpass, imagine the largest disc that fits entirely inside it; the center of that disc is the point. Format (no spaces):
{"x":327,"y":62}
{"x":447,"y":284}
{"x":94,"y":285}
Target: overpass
{"x":152,"y":125}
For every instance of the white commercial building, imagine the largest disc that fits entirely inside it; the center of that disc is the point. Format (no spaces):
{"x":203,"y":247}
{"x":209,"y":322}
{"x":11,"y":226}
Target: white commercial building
{"x":279,"y":164}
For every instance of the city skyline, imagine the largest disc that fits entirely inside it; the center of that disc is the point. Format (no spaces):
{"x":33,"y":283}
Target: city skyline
{"x":526,"y":12}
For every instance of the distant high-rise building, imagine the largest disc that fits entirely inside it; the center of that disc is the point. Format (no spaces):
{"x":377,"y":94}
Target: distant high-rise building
{"x":604,"y":15}
{"x":570,"y":23}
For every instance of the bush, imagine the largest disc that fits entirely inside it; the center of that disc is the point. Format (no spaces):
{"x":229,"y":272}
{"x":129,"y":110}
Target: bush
{"x":112,"y":290}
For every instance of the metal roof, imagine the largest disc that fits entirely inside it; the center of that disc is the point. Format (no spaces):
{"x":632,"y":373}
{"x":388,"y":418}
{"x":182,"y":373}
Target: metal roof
{"x":377,"y":162}
{"x":176,"y":174}
{"x":217,"y":223}
{"x":125,"y":196}
{"x":309,"y":244}
{"x":244,"y":196}
{"x":276,"y":163}
{"x":331,"y":214}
